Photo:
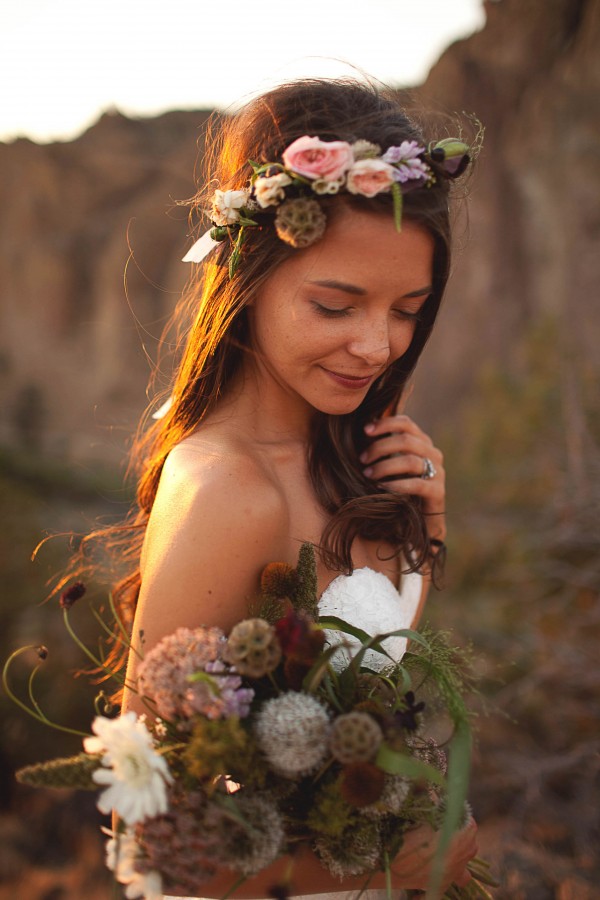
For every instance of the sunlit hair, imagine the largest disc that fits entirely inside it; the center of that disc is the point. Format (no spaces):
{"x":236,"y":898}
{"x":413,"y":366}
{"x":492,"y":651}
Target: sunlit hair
{"x":213,"y":334}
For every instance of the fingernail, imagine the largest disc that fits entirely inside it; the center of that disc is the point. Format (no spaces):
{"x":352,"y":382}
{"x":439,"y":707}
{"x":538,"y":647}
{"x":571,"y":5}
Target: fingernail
{"x":364,"y":456}
{"x":370,"y":428}
{"x":368,"y":472}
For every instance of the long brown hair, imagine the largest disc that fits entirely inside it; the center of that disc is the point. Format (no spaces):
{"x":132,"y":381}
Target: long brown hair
{"x":213,"y":335}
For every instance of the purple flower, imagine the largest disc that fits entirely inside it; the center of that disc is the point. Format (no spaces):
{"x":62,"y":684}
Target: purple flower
{"x":408,"y":166}
{"x":230,"y":699}
{"x":407,"y":150}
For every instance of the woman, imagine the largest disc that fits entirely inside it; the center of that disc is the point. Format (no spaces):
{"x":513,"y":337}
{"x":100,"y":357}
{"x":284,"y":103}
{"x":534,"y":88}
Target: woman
{"x":310,"y":316}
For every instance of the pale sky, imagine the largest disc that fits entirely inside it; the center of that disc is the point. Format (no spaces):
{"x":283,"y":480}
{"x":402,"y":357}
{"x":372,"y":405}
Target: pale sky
{"x":64,"y":62}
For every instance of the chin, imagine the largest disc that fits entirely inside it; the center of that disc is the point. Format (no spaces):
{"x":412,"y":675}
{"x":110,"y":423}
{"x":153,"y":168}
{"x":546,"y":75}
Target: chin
{"x":338,"y":407}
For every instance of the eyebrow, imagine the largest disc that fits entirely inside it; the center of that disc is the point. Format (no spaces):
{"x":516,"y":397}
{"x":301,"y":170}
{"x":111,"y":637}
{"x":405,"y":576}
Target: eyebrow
{"x":361,"y":292}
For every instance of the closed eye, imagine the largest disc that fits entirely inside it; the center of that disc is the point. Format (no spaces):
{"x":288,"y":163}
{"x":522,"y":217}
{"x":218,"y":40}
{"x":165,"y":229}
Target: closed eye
{"x":407,"y":315}
{"x":331,"y":312}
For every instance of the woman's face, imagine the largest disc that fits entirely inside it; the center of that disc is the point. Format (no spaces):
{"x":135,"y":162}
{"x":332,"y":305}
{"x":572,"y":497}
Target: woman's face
{"x":333,"y":317}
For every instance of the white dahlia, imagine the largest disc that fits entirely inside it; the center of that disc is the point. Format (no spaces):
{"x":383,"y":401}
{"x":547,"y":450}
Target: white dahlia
{"x":135,"y":775}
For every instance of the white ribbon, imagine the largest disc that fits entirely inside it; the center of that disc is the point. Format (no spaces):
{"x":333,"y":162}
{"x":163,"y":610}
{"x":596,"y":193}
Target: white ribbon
{"x":201,"y":248}
{"x":163,"y":409}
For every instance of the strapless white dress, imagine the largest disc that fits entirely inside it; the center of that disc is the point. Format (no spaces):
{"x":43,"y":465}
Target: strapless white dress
{"x":369,"y":601}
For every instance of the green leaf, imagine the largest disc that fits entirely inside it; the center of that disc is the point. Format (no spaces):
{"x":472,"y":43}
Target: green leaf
{"x":236,"y":252}
{"x":334,"y":623}
{"x":398,"y":204}
{"x":317,"y":672}
{"x":395,"y":763}
{"x":211,"y":683}
{"x":246,"y":220}
{"x":457,"y":786}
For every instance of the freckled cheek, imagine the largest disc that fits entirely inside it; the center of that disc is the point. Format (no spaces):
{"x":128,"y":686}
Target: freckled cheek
{"x":401,"y":342}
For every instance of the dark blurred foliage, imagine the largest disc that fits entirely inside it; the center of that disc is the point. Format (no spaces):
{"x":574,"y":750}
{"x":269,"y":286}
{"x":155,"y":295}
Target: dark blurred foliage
{"x":523,"y":588}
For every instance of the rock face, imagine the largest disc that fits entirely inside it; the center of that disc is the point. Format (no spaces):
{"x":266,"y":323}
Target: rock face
{"x":73,"y":365}
{"x":532,"y":77}
{"x":73,"y":339}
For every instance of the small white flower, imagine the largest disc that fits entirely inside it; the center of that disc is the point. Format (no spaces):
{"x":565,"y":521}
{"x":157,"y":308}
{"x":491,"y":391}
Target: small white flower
{"x":122,"y":850}
{"x":269,"y":191}
{"x":135,"y":775}
{"x":323,"y":186}
{"x":226,"y":206}
{"x":147,"y":886}
{"x":365,"y":150}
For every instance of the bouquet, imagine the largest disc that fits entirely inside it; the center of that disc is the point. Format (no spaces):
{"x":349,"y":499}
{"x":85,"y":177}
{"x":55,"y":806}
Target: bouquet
{"x":276,"y":735}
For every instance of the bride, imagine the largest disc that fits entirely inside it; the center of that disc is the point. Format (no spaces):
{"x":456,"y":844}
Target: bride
{"x":283,"y":427}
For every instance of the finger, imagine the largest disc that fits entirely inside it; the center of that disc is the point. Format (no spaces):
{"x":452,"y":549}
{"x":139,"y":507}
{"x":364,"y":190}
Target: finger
{"x":433,"y":493}
{"x":403,"y":464}
{"x":463,"y":879}
{"x":401,"y":443}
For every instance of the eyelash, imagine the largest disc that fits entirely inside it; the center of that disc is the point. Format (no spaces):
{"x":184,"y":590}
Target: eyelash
{"x":329,"y":313}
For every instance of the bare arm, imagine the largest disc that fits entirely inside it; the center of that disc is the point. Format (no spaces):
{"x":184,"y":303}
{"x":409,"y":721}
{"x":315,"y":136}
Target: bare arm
{"x":214,"y":525}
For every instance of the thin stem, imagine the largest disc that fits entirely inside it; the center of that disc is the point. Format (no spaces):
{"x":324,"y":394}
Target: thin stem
{"x":35,"y":713}
{"x":234,"y":887}
{"x":79,"y":642}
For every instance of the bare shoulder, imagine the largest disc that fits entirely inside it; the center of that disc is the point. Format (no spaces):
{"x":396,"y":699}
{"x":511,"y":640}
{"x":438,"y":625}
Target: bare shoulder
{"x":217,"y":520}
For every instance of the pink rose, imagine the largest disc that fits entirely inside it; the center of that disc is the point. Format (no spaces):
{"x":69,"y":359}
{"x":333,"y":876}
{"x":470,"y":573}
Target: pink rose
{"x":314,"y":158}
{"x":369,"y":177}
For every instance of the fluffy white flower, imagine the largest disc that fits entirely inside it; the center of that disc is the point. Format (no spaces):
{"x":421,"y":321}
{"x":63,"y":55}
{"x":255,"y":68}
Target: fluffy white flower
{"x":135,"y":775}
{"x":269,"y":191}
{"x":292,"y":731}
{"x":226,"y":206}
{"x":122,"y":850}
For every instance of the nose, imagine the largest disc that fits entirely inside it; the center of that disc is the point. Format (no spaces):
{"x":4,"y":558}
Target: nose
{"x":371,"y":343}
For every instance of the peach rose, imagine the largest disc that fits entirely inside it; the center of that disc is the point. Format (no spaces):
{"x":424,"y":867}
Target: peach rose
{"x":369,"y":177}
{"x":314,"y":158}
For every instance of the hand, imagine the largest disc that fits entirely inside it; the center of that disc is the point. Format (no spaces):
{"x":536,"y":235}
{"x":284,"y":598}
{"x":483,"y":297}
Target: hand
{"x":411,"y":868}
{"x":398,"y":457}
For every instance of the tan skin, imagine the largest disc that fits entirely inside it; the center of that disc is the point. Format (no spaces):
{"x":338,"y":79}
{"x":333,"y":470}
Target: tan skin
{"x":237,"y":494}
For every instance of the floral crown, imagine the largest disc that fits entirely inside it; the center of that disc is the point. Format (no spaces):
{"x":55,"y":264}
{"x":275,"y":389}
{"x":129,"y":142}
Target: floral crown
{"x":311,"y":166}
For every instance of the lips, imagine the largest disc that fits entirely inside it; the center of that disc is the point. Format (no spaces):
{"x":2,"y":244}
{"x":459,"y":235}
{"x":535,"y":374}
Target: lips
{"x":353,"y":382}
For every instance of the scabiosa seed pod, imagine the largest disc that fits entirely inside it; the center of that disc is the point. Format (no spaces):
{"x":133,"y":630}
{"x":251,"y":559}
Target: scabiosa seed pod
{"x":253,"y":648}
{"x":292,"y":731}
{"x":300,"y":222}
{"x":355,"y":737}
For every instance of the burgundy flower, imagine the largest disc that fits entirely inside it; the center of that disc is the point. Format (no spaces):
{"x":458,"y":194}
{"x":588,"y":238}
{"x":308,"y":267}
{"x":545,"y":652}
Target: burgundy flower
{"x":298,"y":637}
{"x":72,"y":595}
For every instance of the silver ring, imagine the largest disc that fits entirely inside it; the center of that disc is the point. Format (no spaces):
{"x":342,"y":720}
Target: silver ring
{"x":429,"y":470}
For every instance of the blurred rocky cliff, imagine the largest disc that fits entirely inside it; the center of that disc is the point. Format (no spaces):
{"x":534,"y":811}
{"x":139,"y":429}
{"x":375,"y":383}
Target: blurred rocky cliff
{"x":73,"y":366}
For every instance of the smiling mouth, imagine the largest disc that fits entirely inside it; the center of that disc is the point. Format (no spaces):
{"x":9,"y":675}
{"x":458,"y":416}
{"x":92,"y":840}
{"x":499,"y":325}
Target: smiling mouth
{"x":351,"y":381}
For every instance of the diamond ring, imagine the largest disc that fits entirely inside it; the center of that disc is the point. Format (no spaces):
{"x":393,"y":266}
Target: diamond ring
{"x":429,"y":470}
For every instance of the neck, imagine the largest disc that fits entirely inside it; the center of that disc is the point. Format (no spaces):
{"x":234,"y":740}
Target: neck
{"x":270,"y":413}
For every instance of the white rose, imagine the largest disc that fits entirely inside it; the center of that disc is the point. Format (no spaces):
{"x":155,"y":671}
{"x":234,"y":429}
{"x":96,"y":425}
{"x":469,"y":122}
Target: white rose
{"x":226,"y":206}
{"x":269,"y":191}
